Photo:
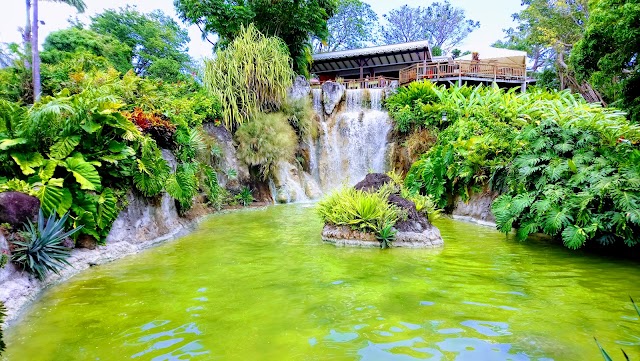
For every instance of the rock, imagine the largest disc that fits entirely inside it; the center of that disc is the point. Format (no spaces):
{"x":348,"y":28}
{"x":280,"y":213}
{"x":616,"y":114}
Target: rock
{"x":261,"y":191}
{"x":344,"y":236}
{"x":69,"y":243}
{"x":292,"y":184}
{"x":413,"y":231}
{"x":477,"y":209}
{"x":332,"y":94}
{"x":229,"y":159}
{"x":300,"y":89}
{"x":373,"y":181}
{"x":16,"y":208}
{"x":87,"y":242}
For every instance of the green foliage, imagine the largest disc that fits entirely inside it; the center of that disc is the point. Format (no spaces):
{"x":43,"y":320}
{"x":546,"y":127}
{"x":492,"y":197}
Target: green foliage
{"x":245,"y":197}
{"x":266,"y":140}
{"x":183,"y":185}
{"x":360,"y":210}
{"x":607,"y":55}
{"x":567,"y":168}
{"x":295,"y":22}
{"x":65,"y":45}
{"x":252,"y":75}
{"x":157,"y":43}
{"x":573,"y":184}
{"x":43,"y":251}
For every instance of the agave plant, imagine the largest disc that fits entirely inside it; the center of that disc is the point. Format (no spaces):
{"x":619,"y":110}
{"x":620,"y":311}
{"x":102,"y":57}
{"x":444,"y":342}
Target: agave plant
{"x":44,"y":251}
{"x":386,"y":235}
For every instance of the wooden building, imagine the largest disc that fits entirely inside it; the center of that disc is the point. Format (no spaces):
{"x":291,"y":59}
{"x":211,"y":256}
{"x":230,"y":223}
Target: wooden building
{"x":403,"y":63}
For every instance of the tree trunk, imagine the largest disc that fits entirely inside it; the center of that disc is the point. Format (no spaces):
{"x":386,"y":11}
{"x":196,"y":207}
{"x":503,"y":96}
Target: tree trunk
{"x":35,"y":62}
{"x":26,"y":37}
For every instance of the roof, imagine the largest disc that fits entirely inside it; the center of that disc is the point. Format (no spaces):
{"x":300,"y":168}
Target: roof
{"x":376,"y":50}
{"x":373,"y":57}
{"x":499,"y":54}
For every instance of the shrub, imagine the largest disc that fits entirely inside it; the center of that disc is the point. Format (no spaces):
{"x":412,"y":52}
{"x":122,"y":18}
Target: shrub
{"x":568,"y":168}
{"x":43,"y":251}
{"x":266,"y":140}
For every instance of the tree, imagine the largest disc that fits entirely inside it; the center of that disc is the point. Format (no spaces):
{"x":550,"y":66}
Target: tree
{"x":63,"y":44}
{"x":446,"y":25}
{"x":442,"y":24}
{"x":33,"y":39}
{"x":353,"y":26}
{"x":404,"y":25}
{"x":294,"y":21}
{"x":607,"y":55}
{"x":553,"y":27}
{"x":158,"y":44}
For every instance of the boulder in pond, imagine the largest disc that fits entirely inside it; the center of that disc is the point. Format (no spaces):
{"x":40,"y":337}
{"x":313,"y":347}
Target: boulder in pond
{"x":413,"y":230}
{"x":16,"y":208}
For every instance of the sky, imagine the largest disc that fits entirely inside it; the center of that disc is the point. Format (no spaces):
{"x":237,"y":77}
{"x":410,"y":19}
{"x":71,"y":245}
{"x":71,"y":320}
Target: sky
{"x":494,"y":16}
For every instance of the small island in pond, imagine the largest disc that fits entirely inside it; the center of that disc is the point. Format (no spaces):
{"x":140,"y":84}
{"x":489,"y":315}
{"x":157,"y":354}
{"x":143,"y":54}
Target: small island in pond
{"x":379,"y":212}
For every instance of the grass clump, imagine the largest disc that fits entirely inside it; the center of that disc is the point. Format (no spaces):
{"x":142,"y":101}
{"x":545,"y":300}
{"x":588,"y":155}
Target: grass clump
{"x":266,"y":140}
{"x":359,"y":210}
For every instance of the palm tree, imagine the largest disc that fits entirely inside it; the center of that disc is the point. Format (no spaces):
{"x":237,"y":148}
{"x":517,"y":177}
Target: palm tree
{"x":35,"y":52}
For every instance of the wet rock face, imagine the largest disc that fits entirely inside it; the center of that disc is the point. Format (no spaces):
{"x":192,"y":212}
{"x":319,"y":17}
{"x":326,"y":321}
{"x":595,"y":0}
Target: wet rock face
{"x":16,"y":208}
{"x":372,"y":182}
{"x":300,"y":89}
{"x":229,"y":160}
{"x":415,"y":222}
{"x":332,"y":95}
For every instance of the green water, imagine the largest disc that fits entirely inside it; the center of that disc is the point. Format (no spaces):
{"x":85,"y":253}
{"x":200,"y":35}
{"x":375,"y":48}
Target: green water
{"x":260,"y":285}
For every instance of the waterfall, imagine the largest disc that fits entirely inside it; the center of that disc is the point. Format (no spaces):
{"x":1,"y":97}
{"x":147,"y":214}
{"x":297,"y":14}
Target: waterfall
{"x":375,"y":97}
{"x":354,"y":100}
{"x":352,"y":142}
{"x":317,"y":100}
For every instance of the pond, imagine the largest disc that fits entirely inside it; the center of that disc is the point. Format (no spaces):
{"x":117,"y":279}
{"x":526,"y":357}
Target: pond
{"x":260,"y":285}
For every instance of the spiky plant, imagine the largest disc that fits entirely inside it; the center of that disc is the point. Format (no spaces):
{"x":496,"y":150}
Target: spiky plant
{"x":386,"y":235}
{"x":43,"y":251}
{"x":245,"y":196}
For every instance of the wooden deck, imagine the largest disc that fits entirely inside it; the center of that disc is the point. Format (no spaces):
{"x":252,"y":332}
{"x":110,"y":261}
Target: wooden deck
{"x":459,"y":71}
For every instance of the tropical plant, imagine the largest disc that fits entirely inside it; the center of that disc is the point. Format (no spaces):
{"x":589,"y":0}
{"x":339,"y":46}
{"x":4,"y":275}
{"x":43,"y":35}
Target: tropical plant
{"x":567,"y":168}
{"x":251,"y":75}
{"x":245,"y":197}
{"x":43,"y":251}
{"x":386,"y":235}
{"x":266,"y":140}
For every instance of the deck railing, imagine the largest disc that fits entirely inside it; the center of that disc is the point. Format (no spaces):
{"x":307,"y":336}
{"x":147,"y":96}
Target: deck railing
{"x":366,"y":83}
{"x":489,"y":70}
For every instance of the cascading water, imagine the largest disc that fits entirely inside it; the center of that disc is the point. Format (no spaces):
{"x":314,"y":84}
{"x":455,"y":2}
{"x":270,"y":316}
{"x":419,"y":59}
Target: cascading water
{"x":354,"y":141}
